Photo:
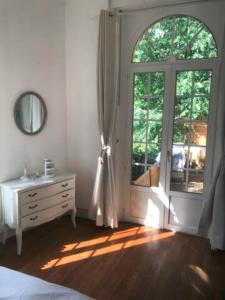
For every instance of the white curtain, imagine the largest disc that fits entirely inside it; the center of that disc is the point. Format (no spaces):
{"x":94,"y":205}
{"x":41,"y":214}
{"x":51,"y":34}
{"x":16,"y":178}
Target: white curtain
{"x":103,"y":205}
{"x":212,"y":222}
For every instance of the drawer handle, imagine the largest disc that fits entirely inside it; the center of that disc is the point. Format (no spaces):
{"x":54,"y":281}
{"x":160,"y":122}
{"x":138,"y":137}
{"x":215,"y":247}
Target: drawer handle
{"x":65,"y":196}
{"x":65,"y":205}
{"x":34,"y":218}
{"x":65,"y":184}
{"x":34,"y":206}
{"x":32,"y":195}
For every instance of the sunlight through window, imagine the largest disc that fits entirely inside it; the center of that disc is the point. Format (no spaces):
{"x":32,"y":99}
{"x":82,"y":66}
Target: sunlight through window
{"x":111,"y":248}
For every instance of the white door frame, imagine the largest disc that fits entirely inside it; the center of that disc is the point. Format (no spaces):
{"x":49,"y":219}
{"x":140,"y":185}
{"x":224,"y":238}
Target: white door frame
{"x":212,"y":65}
{"x":123,"y":151}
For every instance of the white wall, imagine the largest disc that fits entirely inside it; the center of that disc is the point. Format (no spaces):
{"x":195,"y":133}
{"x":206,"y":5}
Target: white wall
{"x":32,"y":57}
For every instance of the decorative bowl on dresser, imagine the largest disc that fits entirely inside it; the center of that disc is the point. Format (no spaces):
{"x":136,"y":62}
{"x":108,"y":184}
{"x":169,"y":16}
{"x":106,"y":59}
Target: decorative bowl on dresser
{"x":36,"y":201}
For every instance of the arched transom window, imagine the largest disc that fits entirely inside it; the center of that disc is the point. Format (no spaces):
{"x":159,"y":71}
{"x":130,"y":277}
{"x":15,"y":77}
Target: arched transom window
{"x":183,"y":37}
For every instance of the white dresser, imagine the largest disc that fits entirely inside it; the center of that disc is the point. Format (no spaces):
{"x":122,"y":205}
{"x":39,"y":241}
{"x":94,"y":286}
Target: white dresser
{"x":34,"y":202}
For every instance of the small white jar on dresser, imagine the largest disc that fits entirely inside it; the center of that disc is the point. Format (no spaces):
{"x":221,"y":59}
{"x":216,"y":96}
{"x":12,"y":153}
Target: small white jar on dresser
{"x":33,"y":202}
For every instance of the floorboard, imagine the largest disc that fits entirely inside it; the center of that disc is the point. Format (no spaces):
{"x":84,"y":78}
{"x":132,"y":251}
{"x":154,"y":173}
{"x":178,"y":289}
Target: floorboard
{"x":132,"y":262}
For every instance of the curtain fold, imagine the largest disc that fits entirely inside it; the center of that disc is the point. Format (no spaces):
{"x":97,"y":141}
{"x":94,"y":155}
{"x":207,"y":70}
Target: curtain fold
{"x":103,"y":204}
{"x":212,"y":222}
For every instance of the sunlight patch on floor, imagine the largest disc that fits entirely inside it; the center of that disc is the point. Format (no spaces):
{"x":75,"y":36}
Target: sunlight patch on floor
{"x":104,"y":239}
{"x":107,"y":249}
{"x":200,"y":273}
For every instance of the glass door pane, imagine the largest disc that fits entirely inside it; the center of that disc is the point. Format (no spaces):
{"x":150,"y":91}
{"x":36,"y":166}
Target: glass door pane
{"x":190,"y":124}
{"x":148,"y":97}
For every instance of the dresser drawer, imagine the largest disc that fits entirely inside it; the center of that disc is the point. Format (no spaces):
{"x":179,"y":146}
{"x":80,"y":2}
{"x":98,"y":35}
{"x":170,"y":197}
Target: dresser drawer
{"x":46,"y":191}
{"x":47,"y":215}
{"x":38,"y":205}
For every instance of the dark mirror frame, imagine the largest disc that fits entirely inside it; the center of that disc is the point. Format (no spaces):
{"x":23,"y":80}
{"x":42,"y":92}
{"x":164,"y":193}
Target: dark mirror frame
{"x":16,"y":108}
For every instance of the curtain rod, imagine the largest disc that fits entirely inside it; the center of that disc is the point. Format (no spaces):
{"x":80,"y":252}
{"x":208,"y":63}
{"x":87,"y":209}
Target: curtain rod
{"x":124,"y":11}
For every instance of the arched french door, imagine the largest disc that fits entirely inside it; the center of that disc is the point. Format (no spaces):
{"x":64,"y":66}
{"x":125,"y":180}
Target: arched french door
{"x":168,"y":113}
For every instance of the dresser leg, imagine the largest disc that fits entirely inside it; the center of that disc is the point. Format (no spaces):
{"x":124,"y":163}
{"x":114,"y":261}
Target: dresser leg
{"x":73,"y":214}
{"x":19,"y":240}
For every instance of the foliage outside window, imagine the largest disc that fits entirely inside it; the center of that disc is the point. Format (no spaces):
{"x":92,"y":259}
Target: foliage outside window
{"x":182,"y":37}
{"x":193,"y":91}
{"x":147,"y":127}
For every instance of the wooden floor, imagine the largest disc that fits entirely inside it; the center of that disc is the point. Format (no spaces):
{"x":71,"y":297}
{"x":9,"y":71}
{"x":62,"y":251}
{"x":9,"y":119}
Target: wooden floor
{"x":133,"y":262}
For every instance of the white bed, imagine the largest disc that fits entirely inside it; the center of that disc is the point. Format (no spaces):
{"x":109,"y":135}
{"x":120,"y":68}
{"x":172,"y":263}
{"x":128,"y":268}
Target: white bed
{"x":15,"y":285}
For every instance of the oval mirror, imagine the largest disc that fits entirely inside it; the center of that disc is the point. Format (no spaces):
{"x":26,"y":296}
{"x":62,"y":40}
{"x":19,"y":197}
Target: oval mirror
{"x":30,"y":113}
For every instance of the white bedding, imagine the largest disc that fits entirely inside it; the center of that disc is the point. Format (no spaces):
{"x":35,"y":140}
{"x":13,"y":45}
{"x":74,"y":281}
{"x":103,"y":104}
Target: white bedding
{"x":15,"y":285}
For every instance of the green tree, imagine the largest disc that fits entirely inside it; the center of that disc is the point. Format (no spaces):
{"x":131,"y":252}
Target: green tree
{"x":185,"y":38}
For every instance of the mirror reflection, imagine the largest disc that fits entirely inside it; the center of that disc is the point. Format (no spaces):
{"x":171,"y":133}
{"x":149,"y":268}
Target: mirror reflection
{"x":30,"y":113}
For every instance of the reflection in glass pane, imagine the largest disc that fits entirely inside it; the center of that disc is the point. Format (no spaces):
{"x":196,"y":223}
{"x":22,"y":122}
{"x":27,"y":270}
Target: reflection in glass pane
{"x":180,"y":40}
{"x":149,"y":177}
{"x":141,"y":84}
{"x":200,"y":109}
{"x":183,"y":37}
{"x":143,"y":51}
{"x":186,"y":30}
{"x":184,"y":83}
{"x":183,"y":109}
{"x":160,"y":37}
{"x":187,"y":181}
{"x":203,"y":46}
{"x":154,"y":132}
{"x":197,"y":157}
{"x":143,"y":178}
{"x":140,"y":108}
{"x":199,"y":134}
{"x":153,"y":154}
{"x":155,"y":108}
{"x":137,"y":171}
{"x":138,"y":153}
{"x":181,"y":132}
{"x":195,"y":182}
{"x":190,"y":129}
{"x":139,"y":131}
{"x":147,"y":128}
{"x":179,"y":154}
{"x":202,"y":82}
{"x":177,"y":180}
{"x":157,"y":84}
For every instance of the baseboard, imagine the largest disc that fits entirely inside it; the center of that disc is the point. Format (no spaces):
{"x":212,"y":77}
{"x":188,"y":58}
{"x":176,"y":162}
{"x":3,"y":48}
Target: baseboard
{"x":82,"y":213}
{"x":10,"y":232}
